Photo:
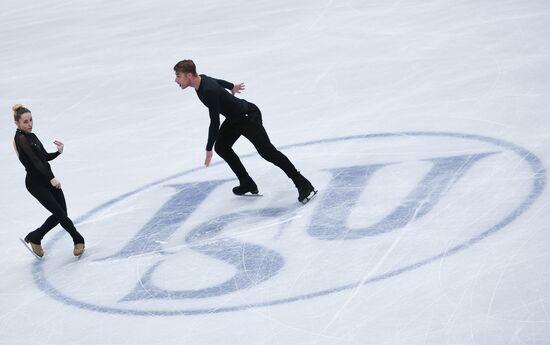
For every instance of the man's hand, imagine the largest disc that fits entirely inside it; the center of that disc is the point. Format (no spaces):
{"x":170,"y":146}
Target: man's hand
{"x":237,"y":88}
{"x":208,"y":158}
{"x":59,"y":145}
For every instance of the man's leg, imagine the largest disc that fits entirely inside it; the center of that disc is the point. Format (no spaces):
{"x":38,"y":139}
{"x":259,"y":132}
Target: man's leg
{"x":259,"y":138}
{"x":255,"y":132}
{"x":227,"y":136}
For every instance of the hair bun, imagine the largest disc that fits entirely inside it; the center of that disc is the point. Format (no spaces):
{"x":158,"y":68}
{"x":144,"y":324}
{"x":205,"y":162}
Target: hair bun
{"x":16,"y":107}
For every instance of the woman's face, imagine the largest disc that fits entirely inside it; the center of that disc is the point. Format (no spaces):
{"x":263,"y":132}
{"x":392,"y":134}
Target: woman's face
{"x":25,"y":122}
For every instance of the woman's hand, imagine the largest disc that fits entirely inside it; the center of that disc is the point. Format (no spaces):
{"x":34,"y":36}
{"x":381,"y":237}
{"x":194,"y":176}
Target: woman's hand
{"x":59,"y":145}
{"x":237,"y":88}
{"x":55,"y":183}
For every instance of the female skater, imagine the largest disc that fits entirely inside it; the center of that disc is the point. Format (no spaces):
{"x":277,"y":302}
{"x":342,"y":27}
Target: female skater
{"x":41,"y":182}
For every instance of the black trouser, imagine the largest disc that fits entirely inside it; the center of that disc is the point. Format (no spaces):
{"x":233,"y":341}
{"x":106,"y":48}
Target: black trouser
{"x":252,"y":129}
{"x":54,"y":201}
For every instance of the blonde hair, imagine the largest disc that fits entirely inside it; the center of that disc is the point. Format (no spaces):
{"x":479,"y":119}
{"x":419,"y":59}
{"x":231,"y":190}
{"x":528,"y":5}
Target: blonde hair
{"x":18,"y":110}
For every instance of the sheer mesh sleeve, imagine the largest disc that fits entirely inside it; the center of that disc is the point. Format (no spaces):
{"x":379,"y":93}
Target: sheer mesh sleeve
{"x":52,"y":155}
{"x":24,"y":148}
{"x":15,"y":148}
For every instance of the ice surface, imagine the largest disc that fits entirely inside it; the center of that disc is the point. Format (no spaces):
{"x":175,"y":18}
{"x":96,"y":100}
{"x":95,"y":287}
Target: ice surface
{"x":423,"y":124}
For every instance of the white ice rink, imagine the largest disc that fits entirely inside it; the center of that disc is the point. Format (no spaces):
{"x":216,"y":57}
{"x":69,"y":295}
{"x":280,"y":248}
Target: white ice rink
{"x":425,"y":125}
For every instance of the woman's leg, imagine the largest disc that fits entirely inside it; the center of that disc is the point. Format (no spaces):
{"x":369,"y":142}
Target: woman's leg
{"x":54,"y":201}
{"x":37,"y":235}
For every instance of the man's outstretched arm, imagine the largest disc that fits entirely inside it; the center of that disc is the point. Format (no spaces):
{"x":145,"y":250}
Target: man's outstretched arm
{"x":234,"y":88}
{"x":237,"y":88}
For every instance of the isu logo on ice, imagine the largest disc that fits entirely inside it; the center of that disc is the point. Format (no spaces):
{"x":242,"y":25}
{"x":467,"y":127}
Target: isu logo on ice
{"x":388,"y":204}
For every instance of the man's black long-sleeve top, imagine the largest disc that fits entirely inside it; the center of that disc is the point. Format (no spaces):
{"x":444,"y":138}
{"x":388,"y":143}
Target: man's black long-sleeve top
{"x":212,"y":93}
{"x":33,"y":156}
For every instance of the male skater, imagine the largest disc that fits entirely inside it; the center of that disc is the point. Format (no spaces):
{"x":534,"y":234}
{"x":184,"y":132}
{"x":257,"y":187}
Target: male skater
{"x":241,"y":118}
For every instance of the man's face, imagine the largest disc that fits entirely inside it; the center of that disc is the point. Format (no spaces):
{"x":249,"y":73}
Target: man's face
{"x":183,"y":79}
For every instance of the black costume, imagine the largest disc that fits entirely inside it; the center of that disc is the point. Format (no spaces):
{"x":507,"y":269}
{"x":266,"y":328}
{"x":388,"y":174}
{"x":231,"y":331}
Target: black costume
{"x":39,"y":174}
{"x":241,"y":118}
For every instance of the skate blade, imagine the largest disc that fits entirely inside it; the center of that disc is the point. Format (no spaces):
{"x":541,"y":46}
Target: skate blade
{"x":310,"y":196}
{"x":30,"y":249}
{"x":250,"y":194}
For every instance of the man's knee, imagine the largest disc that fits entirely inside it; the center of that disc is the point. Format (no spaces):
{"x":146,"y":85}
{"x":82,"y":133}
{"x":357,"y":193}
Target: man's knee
{"x":270,"y":154}
{"x":221,"y":150}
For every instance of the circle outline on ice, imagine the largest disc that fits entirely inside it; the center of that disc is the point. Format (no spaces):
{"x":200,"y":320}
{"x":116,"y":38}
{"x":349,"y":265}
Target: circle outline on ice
{"x":539,"y":182}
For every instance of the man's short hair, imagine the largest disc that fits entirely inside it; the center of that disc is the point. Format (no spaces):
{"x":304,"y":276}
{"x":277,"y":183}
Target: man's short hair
{"x":186,"y":66}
